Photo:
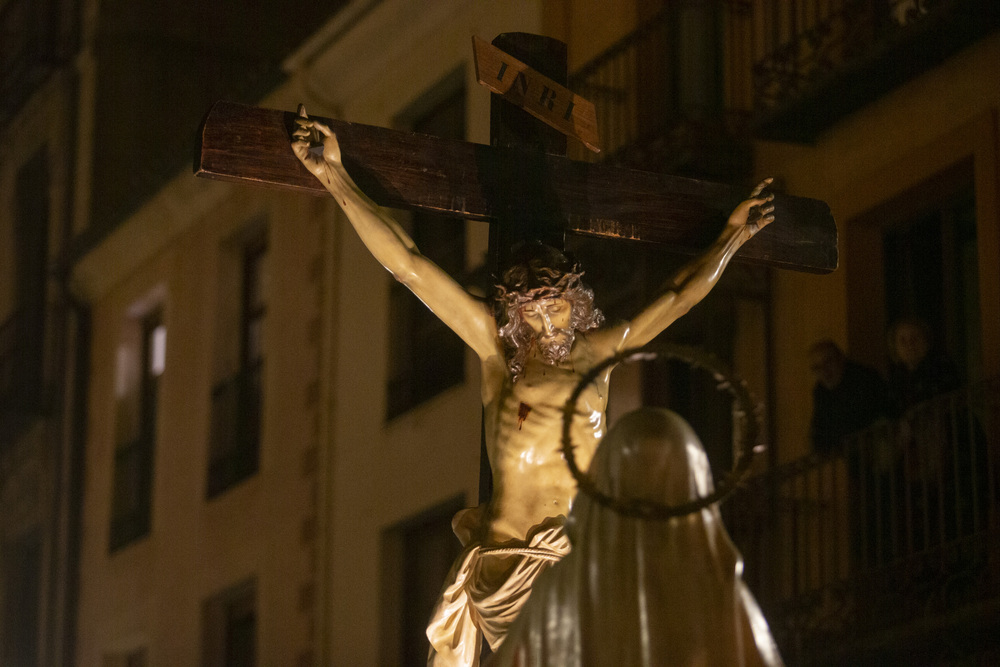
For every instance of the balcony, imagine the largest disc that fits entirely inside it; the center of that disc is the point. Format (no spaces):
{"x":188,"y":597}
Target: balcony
{"x":825,"y":59}
{"x":888,"y":553}
{"x":21,"y":370}
{"x":675,"y":96}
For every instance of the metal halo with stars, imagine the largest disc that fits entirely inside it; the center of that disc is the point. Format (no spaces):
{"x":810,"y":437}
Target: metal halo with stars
{"x":744,"y":416}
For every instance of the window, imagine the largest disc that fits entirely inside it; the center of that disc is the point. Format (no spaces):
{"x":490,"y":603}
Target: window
{"x":234,"y":450}
{"x":229,"y":622}
{"x":417,"y":554}
{"x":425,"y":357}
{"x":916,"y":255}
{"x":931,"y":271}
{"x":140,"y":365}
{"x":22,"y":331}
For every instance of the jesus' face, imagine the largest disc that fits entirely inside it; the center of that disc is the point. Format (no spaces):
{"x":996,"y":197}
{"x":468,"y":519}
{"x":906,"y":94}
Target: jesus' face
{"x":550,"y":319}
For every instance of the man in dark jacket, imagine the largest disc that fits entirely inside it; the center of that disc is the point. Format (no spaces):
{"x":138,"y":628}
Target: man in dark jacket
{"x":847,"y":397}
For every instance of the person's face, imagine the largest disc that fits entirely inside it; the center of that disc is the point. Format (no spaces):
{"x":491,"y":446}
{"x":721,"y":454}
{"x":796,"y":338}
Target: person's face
{"x":547,"y":316}
{"x":550,"y":319}
{"x":911,"y":345}
{"x":827,"y":367}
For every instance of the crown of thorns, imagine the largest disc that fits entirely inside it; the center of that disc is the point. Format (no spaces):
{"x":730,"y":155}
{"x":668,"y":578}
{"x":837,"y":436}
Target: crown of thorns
{"x":538,"y":271}
{"x":744,"y":416}
{"x":520,"y":292}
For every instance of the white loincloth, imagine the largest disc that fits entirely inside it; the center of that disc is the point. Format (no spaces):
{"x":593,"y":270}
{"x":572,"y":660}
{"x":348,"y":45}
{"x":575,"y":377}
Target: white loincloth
{"x":471,"y":607}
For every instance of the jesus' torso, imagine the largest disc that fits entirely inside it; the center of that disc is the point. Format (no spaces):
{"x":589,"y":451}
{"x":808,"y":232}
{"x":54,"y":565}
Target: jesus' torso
{"x":531,"y":481}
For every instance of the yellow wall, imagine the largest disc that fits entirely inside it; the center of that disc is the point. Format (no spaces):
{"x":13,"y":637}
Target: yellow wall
{"x":30,"y":486}
{"x":149,"y":593}
{"x":874,"y":155}
{"x":334,"y":475}
{"x":43,"y":125}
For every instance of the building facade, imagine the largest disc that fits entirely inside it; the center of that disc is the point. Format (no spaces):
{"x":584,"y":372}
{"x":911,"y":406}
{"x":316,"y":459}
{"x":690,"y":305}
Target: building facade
{"x":40,"y":329}
{"x":276,"y":435}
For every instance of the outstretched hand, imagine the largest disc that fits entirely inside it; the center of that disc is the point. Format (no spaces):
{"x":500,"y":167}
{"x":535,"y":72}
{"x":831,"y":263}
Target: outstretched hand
{"x":310,"y":132}
{"x":755,"y":213}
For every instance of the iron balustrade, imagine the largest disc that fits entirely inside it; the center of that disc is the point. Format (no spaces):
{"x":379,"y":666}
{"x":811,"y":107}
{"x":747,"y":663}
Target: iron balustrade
{"x":650,"y":117}
{"x":901,"y":524}
{"x":821,"y":60}
{"x":806,"y":41}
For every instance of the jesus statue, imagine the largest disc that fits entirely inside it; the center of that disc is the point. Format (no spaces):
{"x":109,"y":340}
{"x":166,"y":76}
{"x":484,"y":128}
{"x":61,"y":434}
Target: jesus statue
{"x":536,"y":340}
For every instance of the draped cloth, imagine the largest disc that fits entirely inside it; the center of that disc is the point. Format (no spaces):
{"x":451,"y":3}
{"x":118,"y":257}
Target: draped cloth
{"x":638,"y":592}
{"x":482,"y":600}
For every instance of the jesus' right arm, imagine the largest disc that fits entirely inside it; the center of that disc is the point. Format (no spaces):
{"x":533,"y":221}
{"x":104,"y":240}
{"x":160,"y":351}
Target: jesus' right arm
{"x":468,"y":317}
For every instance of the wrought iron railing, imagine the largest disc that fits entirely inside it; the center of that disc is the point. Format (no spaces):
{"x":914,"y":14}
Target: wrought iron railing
{"x":902,"y":524}
{"x":651,"y":114}
{"x":826,"y":58}
{"x":234,"y":452}
{"x":805,"y":41}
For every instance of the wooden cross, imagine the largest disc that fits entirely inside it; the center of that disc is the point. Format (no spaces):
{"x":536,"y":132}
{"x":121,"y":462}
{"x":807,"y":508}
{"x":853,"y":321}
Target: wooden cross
{"x":522,"y":183}
{"x":514,"y":186}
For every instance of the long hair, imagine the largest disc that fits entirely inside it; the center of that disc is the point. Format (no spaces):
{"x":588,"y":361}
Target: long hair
{"x":539,"y":272}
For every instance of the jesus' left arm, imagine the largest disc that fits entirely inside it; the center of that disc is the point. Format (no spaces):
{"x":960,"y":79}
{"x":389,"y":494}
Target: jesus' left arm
{"x":696,"y":278}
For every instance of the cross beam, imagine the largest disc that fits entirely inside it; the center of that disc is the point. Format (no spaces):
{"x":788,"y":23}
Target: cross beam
{"x":411,"y":171}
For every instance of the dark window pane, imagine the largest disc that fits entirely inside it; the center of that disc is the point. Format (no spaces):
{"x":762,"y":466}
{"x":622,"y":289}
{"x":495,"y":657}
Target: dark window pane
{"x":131,"y":503}
{"x":229,"y":627}
{"x":418,"y":553}
{"x":237,"y":400}
{"x":931,"y":272}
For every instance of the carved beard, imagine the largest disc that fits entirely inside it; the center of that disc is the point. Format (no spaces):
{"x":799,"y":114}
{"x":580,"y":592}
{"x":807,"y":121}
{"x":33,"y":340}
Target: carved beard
{"x":556,"y":346}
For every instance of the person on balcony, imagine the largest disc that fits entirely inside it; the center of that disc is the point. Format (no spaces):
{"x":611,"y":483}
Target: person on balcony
{"x":943,"y":447}
{"x":917,"y":372}
{"x":847,"y":397}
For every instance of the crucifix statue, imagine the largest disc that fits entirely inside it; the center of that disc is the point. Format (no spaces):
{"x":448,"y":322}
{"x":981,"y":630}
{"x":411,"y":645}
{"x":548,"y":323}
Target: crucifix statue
{"x":542,"y":332}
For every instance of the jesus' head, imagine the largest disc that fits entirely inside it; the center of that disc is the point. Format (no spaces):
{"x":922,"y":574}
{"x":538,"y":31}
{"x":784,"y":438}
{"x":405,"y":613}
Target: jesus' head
{"x":541,"y":303}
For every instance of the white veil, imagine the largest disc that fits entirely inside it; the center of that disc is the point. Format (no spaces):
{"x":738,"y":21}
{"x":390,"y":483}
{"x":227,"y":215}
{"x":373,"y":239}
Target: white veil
{"x":641,"y":592}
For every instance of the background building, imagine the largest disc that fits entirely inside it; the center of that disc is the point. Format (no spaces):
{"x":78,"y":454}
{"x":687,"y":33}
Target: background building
{"x":39,"y":331}
{"x":229,"y":437}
